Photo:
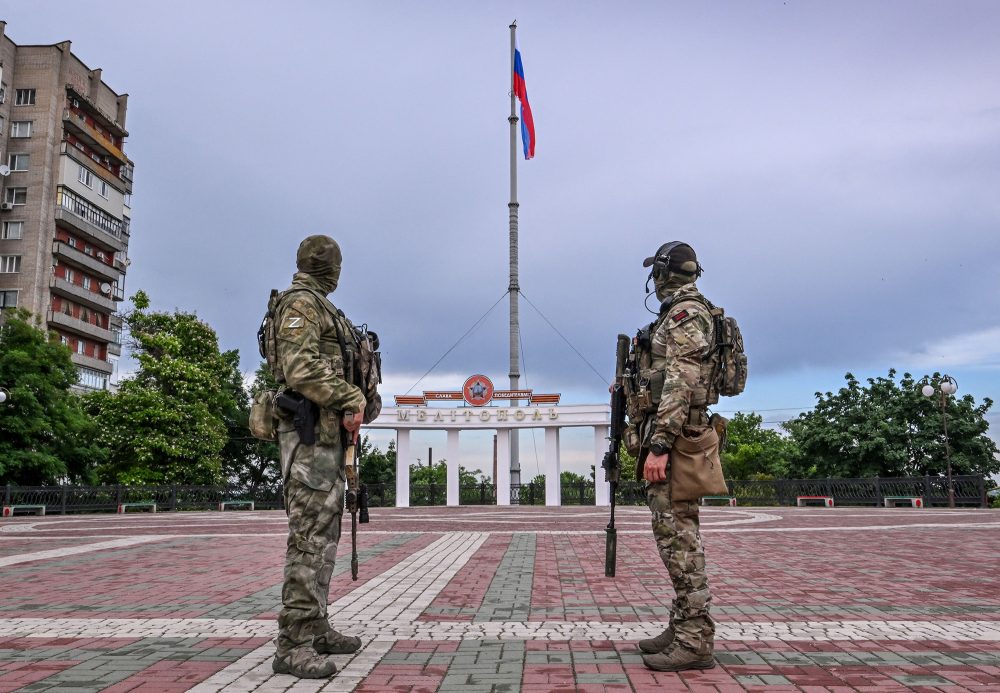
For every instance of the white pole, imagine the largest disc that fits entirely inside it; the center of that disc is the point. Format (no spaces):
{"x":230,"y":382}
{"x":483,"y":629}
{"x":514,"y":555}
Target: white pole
{"x":513,"y":288}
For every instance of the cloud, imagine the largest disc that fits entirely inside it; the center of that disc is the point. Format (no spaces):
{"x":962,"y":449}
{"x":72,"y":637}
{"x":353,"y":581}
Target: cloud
{"x":979,"y":350}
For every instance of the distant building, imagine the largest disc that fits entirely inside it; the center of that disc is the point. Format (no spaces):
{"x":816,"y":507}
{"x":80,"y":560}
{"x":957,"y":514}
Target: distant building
{"x":64,"y":217}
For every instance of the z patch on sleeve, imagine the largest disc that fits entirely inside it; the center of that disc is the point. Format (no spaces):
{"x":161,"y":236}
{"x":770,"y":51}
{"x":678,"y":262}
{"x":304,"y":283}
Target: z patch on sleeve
{"x":294,"y":322}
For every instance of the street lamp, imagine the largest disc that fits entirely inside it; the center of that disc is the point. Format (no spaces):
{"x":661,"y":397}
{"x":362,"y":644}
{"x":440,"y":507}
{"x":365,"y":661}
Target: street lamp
{"x":946,"y":385}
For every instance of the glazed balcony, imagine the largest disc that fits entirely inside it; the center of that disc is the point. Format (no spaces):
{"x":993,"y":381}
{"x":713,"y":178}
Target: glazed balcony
{"x":79,"y":327}
{"x":104,"y":271}
{"x":91,"y":362}
{"x":85,"y":297}
{"x":76,"y":124}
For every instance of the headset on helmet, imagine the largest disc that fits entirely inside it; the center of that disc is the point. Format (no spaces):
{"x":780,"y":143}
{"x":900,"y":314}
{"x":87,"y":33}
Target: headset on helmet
{"x":660,"y":262}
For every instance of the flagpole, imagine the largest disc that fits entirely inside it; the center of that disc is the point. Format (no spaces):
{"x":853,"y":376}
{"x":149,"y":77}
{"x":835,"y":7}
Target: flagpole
{"x":513,"y":288}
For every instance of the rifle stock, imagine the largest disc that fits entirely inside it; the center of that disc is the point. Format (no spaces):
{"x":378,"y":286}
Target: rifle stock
{"x":612,"y":458}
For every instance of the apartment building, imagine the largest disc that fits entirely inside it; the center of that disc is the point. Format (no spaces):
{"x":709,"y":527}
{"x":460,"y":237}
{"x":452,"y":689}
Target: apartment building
{"x":64,"y":212}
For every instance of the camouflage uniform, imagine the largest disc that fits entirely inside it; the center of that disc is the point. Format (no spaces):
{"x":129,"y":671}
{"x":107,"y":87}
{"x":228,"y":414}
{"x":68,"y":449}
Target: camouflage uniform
{"x":314,"y":476}
{"x":679,"y":340}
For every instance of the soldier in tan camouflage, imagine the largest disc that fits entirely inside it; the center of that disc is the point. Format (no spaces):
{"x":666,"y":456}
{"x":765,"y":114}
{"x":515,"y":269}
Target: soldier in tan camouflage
{"x":310,"y":358}
{"x":677,"y":342}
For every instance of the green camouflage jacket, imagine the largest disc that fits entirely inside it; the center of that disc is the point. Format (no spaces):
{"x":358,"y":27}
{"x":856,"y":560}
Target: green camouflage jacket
{"x":680,"y":341}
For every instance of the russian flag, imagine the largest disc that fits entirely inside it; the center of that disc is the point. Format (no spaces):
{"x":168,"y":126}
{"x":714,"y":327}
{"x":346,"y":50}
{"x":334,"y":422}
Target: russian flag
{"x":521,"y":91}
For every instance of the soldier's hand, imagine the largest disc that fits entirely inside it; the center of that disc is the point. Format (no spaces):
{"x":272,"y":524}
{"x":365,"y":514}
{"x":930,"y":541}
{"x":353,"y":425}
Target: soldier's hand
{"x":352,"y":422}
{"x":655,"y":468}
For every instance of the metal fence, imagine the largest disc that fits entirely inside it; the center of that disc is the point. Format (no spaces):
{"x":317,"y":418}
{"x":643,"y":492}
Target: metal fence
{"x":970,"y":491}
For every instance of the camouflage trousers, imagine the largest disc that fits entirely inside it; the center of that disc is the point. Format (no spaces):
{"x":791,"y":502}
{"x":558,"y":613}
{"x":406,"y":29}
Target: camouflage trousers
{"x":314,"y":516}
{"x":675,"y":528}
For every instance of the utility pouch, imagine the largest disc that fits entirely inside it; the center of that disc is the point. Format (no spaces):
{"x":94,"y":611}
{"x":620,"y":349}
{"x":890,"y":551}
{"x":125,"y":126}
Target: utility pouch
{"x":631,"y":439}
{"x":695,"y":465}
{"x":720,"y":424}
{"x":329,"y":427}
{"x":263,"y":417}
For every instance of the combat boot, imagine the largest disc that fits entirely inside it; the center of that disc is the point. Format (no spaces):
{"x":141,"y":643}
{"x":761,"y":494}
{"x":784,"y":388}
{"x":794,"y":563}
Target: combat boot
{"x":658,"y":644}
{"x":680,"y":658}
{"x":331,"y":642}
{"x":303,"y":662}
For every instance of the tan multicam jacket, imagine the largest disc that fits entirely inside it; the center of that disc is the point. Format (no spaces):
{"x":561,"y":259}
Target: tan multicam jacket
{"x":309,"y":351}
{"x":680,"y":341}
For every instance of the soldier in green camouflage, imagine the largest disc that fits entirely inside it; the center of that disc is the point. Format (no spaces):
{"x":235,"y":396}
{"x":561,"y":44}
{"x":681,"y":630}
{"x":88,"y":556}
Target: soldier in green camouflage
{"x":311,"y":362}
{"x":678,"y":340}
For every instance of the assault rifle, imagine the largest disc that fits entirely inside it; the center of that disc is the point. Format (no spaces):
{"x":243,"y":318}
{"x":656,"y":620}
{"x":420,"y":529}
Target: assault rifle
{"x":353,"y":496}
{"x":612,"y":458}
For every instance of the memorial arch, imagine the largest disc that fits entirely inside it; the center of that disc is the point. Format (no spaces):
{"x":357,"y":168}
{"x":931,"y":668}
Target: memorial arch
{"x":416,"y":413}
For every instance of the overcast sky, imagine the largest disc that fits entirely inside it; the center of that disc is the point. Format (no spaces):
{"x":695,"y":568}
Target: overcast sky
{"x":835,"y":164}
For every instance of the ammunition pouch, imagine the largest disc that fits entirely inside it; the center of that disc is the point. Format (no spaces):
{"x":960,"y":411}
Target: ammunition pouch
{"x":263,"y":417}
{"x":632,"y":439}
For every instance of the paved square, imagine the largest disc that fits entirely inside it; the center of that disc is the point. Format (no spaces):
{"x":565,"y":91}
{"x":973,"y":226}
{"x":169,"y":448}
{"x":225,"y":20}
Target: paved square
{"x":506,"y":599}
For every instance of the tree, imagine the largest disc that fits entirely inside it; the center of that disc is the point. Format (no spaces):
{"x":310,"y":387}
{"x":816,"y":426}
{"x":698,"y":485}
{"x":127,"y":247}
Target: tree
{"x":755,"y":452}
{"x":889,"y":428}
{"x":167,"y":424}
{"x":247,"y":461}
{"x":378,"y":467}
{"x":45,"y":436}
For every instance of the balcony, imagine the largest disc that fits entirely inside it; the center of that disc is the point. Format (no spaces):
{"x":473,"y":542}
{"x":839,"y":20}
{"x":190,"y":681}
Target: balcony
{"x":91,"y":362}
{"x":72,"y":255}
{"x":77,"y":326}
{"x":83,"y":217}
{"x":89,"y":134}
{"x":97,"y":167}
{"x":84,"y":297}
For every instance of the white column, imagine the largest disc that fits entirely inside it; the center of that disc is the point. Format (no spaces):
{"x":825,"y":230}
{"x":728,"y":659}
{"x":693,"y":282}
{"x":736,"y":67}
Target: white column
{"x":602,"y":490}
{"x":453,"y":460}
{"x":553,"y":485}
{"x":503,"y":466}
{"x":402,"y":468}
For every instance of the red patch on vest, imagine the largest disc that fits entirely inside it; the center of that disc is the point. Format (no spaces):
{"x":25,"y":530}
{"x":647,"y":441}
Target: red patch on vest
{"x":680,"y":316}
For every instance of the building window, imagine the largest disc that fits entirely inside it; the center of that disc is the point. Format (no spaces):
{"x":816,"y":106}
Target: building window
{"x":85,"y":177}
{"x":2,"y":121}
{"x":24,"y":97}
{"x":16,"y":196}
{"x":92,"y":379}
{"x":102,"y":189}
{"x":86,"y":282}
{"x":71,"y":242}
{"x":12,"y":231}
{"x":102,"y":256}
{"x":10,"y":264}
{"x":8,"y":299}
{"x":80,"y":346}
{"x":20,"y":128}
{"x":88,"y":250}
{"x":85,"y":315}
{"x":3,"y":92}
{"x":64,"y":340}
{"x":18,"y":162}
{"x":69,"y":275}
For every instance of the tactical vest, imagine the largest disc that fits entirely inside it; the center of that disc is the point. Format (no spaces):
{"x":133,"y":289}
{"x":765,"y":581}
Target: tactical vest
{"x":723,"y":364}
{"x":353,"y":352}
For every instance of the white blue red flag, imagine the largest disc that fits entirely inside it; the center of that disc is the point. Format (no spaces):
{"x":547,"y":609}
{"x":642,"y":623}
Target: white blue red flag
{"x":521,"y":91}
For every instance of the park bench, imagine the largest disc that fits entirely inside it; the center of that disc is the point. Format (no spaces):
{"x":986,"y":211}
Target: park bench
{"x":223,"y":504}
{"x":730,"y":500}
{"x":9,"y":510}
{"x":803,"y":501}
{"x":122,"y":507}
{"x":912,"y":501}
